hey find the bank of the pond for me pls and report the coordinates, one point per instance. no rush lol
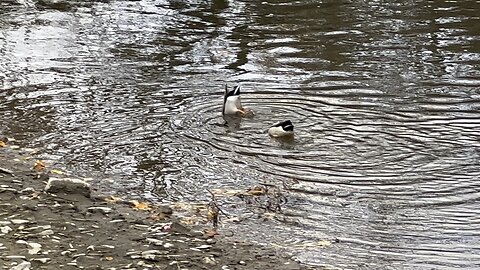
(39, 230)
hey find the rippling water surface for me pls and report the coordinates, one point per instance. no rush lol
(384, 96)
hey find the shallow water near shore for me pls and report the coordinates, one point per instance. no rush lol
(384, 97)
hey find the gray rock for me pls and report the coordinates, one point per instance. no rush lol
(68, 185)
(99, 209)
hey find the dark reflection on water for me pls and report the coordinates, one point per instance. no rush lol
(384, 96)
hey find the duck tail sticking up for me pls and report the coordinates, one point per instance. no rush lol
(231, 101)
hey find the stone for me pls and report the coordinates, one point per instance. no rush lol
(99, 209)
(68, 185)
(22, 266)
(5, 229)
(20, 221)
(204, 247)
(42, 260)
(34, 248)
(209, 260)
(46, 233)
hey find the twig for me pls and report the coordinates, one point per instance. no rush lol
(3, 170)
(216, 204)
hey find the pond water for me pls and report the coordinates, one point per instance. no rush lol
(384, 96)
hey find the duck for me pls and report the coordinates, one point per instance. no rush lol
(232, 104)
(281, 129)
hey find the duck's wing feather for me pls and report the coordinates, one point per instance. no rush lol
(283, 123)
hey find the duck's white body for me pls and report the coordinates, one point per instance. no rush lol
(232, 105)
(231, 101)
(281, 129)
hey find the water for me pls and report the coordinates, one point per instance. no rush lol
(384, 97)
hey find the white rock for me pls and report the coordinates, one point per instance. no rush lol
(45, 227)
(167, 245)
(209, 260)
(15, 257)
(154, 241)
(46, 232)
(5, 229)
(204, 247)
(68, 185)
(22, 266)
(20, 221)
(34, 248)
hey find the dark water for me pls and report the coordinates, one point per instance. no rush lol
(384, 96)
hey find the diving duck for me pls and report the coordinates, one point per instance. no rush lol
(232, 103)
(281, 129)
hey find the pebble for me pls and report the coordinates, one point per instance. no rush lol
(45, 227)
(204, 247)
(99, 209)
(154, 255)
(68, 185)
(167, 245)
(211, 241)
(15, 257)
(34, 248)
(22, 266)
(209, 260)
(19, 221)
(42, 260)
(27, 190)
(154, 241)
(46, 232)
(5, 229)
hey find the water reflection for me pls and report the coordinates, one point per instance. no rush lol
(232, 122)
(383, 95)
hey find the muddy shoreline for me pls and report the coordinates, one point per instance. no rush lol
(41, 230)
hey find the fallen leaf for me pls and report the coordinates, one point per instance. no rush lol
(39, 166)
(190, 220)
(141, 205)
(324, 243)
(211, 232)
(55, 171)
(257, 191)
(2, 144)
(158, 216)
(109, 258)
(225, 192)
(113, 199)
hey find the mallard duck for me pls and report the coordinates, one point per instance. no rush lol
(232, 103)
(281, 129)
